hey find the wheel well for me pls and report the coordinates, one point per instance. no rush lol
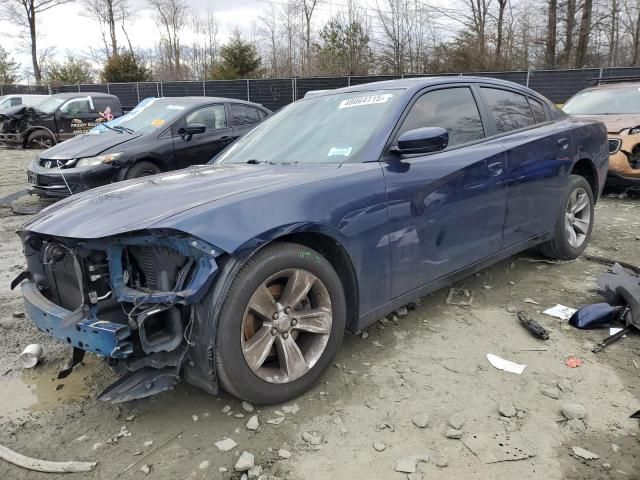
(337, 256)
(156, 162)
(30, 132)
(585, 169)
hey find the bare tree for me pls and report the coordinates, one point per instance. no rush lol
(24, 14)
(171, 18)
(108, 14)
(308, 6)
(552, 20)
(583, 34)
(502, 4)
(204, 49)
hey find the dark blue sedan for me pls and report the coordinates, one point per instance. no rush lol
(337, 210)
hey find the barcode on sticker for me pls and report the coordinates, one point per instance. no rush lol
(367, 100)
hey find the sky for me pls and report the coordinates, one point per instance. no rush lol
(68, 30)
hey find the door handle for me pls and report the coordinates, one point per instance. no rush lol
(495, 169)
(563, 143)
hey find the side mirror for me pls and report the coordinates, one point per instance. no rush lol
(195, 129)
(422, 140)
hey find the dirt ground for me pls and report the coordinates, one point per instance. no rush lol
(432, 361)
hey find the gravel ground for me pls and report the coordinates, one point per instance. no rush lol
(367, 416)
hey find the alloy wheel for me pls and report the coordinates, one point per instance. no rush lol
(41, 141)
(578, 217)
(286, 326)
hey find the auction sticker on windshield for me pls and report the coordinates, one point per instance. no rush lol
(367, 100)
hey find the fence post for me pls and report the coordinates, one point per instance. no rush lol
(78, 88)
(293, 89)
(348, 80)
(162, 89)
(528, 74)
(138, 90)
(600, 76)
(248, 96)
(204, 93)
(108, 89)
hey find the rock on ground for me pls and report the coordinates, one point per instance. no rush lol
(245, 462)
(507, 409)
(453, 433)
(379, 446)
(551, 392)
(408, 464)
(585, 454)
(253, 423)
(312, 438)
(456, 421)
(282, 453)
(421, 420)
(226, 444)
(247, 407)
(573, 410)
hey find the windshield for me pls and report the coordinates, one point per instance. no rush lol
(327, 128)
(604, 102)
(51, 104)
(149, 115)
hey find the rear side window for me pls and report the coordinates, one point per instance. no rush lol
(213, 117)
(539, 113)
(244, 115)
(16, 101)
(510, 110)
(451, 108)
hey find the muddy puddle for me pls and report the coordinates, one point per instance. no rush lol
(38, 389)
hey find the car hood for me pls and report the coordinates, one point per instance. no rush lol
(85, 145)
(140, 203)
(12, 111)
(616, 122)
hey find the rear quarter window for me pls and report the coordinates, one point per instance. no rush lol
(244, 114)
(510, 110)
(539, 112)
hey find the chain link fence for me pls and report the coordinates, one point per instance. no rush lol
(556, 85)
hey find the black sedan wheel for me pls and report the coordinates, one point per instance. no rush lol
(142, 169)
(281, 324)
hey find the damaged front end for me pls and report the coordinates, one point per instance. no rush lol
(133, 298)
(15, 122)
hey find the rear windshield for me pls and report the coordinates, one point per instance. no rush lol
(604, 102)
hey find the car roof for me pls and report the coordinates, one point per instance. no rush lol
(203, 100)
(82, 94)
(418, 83)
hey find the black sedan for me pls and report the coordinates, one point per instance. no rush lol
(159, 135)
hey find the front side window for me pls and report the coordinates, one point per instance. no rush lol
(333, 128)
(213, 117)
(16, 101)
(51, 104)
(77, 106)
(453, 109)
(510, 110)
(244, 115)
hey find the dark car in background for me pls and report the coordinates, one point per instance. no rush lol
(159, 135)
(57, 118)
(332, 213)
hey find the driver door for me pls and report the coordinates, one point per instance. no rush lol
(200, 148)
(446, 209)
(75, 117)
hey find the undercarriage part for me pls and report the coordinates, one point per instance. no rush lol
(76, 357)
(533, 326)
(140, 384)
(160, 329)
(620, 287)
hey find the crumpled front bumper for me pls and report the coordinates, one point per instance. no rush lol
(90, 334)
(50, 182)
(14, 139)
(621, 170)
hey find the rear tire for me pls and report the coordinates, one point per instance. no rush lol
(40, 139)
(574, 224)
(142, 169)
(245, 327)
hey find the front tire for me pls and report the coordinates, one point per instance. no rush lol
(40, 139)
(574, 224)
(142, 169)
(281, 324)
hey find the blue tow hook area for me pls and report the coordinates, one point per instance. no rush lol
(90, 334)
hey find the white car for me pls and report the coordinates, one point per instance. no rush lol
(19, 99)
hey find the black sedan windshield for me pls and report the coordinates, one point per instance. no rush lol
(604, 102)
(326, 128)
(149, 115)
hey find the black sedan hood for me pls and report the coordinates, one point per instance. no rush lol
(141, 203)
(88, 145)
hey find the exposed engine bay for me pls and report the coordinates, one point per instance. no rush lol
(129, 298)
